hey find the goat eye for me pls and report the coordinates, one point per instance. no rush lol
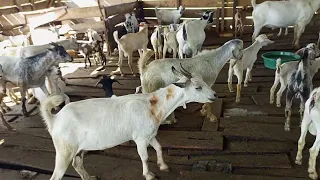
(199, 88)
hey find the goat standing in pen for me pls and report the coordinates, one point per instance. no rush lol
(207, 63)
(131, 42)
(299, 83)
(238, 18)
(111, 126)
(311, 123)
(281, 14)
(170, 42)
(249, 58)
(191, 35)
(31, 72)
(285, 70)
(169, 16)
(157, 42)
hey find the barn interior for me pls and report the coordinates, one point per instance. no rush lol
(247, 142)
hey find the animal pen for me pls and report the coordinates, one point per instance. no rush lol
(248, 141)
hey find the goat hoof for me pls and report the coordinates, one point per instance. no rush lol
(150, 176)
(213, 118)
(245, 85)
(271, 102)
(298, 162)
(134, 75)
(237, 100)
(94, 178)
(313, 175)
(278, 105)
(164, 168)
(286, 127)
(122, 75)
(231, 90)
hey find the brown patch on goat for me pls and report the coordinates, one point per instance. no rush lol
(169, 94)
(156, 114)
(154, 100)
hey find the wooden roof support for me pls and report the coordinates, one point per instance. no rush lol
(50, 3)
(17, 3)
(33, 7)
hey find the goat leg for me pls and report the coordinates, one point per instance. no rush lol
(4, 122)
(238, 93)
(207, 112)
(288, 118)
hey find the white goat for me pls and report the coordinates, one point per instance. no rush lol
(129, 43)
(169, 16)
(208, 64)
(37, 49)
(111, 126)
(281, 14)
(249, 57)
(170, 40)
(285, 70)
(311, 123)
(191, 35)
(55, 84)
(157, 42)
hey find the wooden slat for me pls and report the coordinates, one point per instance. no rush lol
(201, 3)
(161, 3)
(120, 9)
(189, 175)
(189, 13)
(77, 13)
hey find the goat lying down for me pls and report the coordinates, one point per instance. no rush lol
(311, 123)
(287, 69)
(207, 63)
(120, 122)
(299, 83)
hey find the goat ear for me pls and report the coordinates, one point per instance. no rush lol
(180, 84)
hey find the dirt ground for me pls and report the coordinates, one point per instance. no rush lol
(248, 142)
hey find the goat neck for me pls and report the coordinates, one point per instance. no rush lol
(254, 49)
(165, 100)
(219, 57)
(203, 23)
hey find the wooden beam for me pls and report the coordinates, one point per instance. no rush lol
(120, 8)
(32, 5)
(217, 20)
(17, 3)
(222, 15)
(235, 3)
(77, 13)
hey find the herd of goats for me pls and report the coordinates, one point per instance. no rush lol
(166, 83)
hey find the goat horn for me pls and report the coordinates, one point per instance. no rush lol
(185, 72)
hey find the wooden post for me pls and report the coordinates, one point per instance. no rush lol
(218, 21)
(178, 3)
(18, 5)
(107, 31)
(32, 5)
(235, 3)
(222, 15)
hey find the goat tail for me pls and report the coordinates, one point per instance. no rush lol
(142, 63)
(116, 37)
(278, 64)
(46, 107)
(253, 3)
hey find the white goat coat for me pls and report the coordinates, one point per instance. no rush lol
(291, 12)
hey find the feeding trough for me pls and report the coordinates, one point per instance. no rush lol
(270, 58)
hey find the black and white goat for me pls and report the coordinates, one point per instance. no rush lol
(191, 35)
(107, 82)
(299, 84)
